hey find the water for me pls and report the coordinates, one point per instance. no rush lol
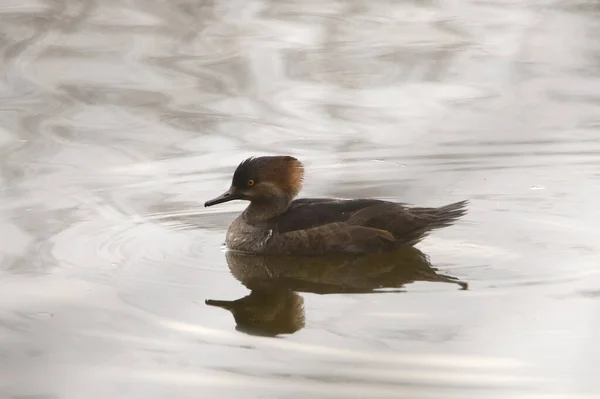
(119, 119)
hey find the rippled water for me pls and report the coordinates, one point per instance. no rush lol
(119, 119)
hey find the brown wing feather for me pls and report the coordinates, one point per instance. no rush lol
(407, 225)
(322, 226)
(332, 238)
(403, 224)
(306, 213)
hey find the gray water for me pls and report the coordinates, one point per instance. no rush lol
(118, 119)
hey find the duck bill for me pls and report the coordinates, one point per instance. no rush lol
(221, 304)
(227, 196)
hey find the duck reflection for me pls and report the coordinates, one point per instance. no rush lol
(274, 307)
(266, 311)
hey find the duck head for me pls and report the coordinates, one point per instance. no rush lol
(264, 181)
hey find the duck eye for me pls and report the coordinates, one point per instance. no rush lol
(250, 183)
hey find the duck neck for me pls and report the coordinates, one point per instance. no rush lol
(263, 210)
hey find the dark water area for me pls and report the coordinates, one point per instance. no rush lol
(118, 119)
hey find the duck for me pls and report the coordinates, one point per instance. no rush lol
(277, 223)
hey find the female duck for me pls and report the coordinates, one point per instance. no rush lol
(275, 223)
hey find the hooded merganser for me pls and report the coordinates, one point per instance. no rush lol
(275, 223)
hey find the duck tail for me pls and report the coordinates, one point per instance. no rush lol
(446, 215)
(443, 216)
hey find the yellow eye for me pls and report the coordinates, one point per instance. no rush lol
(250, 183)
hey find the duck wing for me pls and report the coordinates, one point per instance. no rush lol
(332, 238)
(323, 225)
(407, 225)
(306, 213)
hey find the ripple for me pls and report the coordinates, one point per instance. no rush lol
(456, 361)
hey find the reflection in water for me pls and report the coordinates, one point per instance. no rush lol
(273, 307)
(266, 311)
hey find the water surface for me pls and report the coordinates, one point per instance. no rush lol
(119, 119)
